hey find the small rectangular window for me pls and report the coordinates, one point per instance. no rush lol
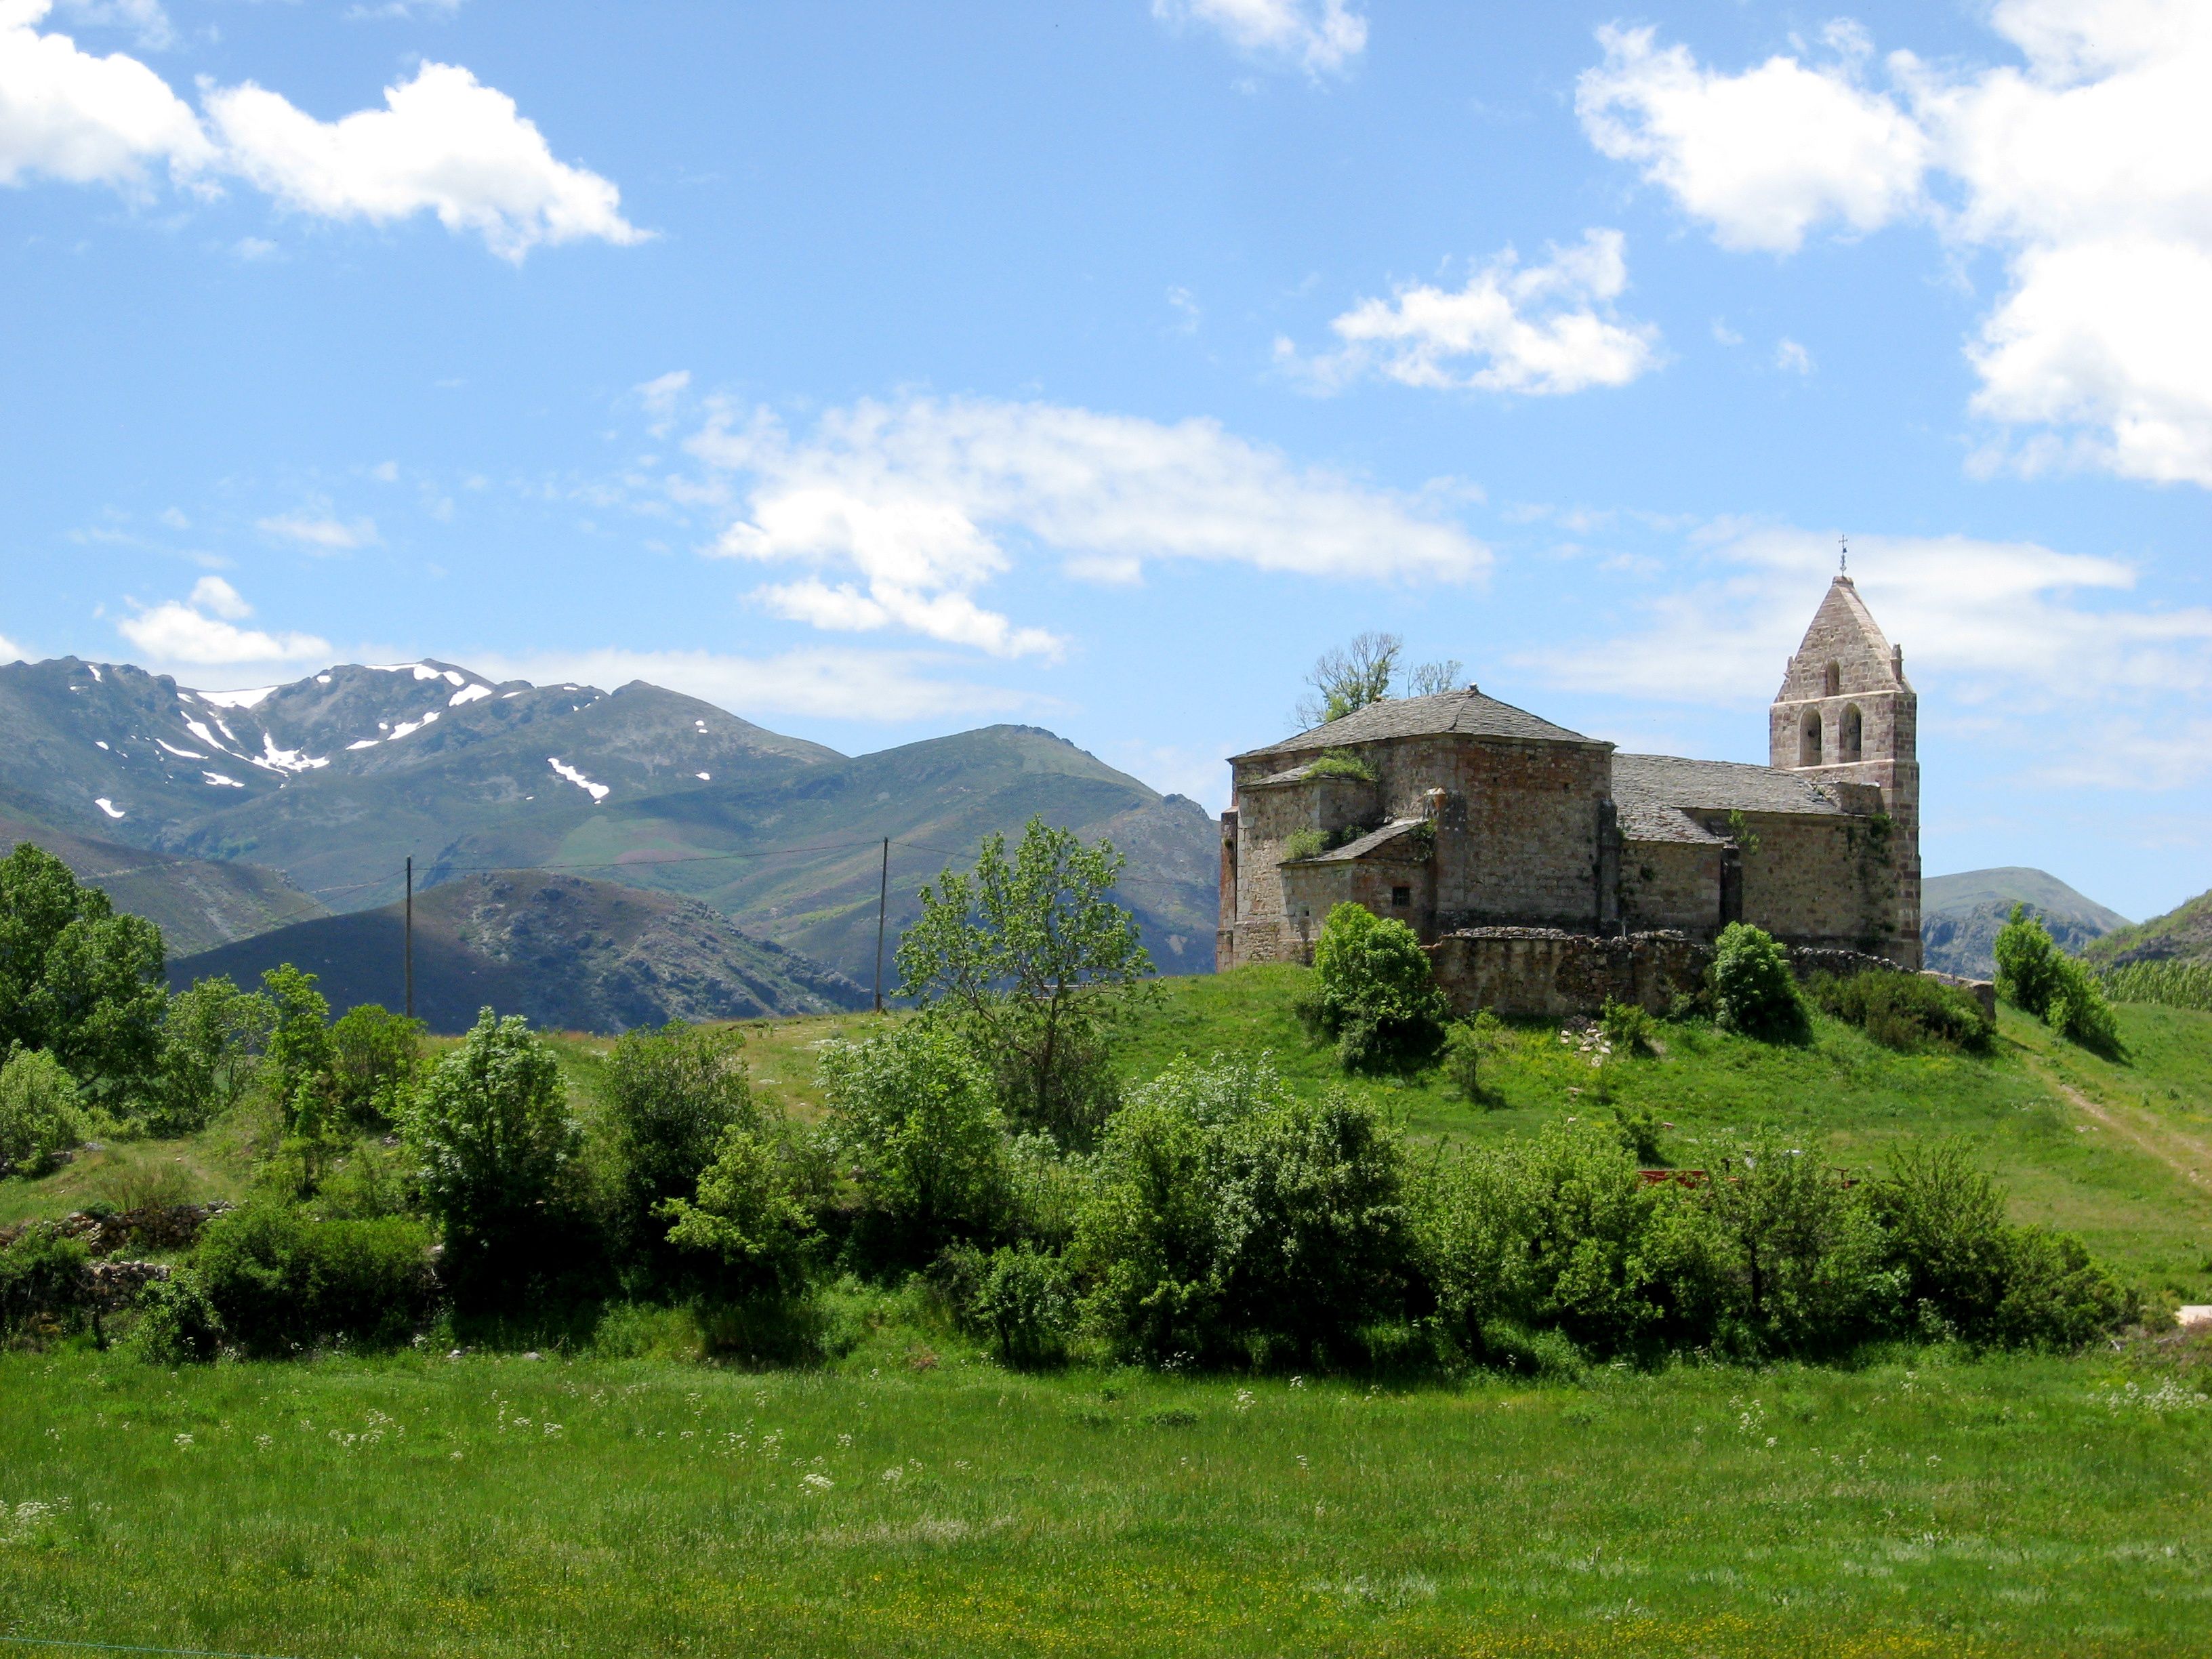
(1401, 898)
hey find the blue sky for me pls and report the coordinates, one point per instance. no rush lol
(880, 370)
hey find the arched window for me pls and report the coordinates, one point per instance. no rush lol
(1833, 683)
(1808, 740)
(1847, 740)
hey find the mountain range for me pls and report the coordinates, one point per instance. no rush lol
(568, 954)
(327, 784)
(2182, 934)
(1960, 914)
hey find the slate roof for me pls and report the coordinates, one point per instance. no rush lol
(1466, 711)
(1650, 791)
(1374, 844)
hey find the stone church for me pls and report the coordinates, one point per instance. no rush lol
(1512, 845)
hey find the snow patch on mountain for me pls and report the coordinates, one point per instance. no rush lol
(468, 694)
(596, 791)
(108, 807)
(236, 699)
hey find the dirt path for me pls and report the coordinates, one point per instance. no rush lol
(2186, 1155)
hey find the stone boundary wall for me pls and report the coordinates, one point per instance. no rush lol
(1542, 973)
(158, 1226)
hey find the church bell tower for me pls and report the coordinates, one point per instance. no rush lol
(1847, 714)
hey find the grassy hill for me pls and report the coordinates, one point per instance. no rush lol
(2181, 935)
(1960, 914)
(565, 952)
(197, 903)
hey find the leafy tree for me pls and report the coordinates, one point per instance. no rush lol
(1374, 992)
(39, 896)
(278, 1279)
(2039, 978)
(1753, 991)
(213, 1039)
(492, 1136)
(375, 1060)
(670, 1096)
(101, 1002)
(912, 1120)
(1345, 680)
(1035, 965)
(38, 1114)
(78, 980)
(300, 1052)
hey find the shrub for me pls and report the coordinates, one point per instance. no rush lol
(913, 1121)
(1627, 1026)
(1752, 991)
(177, 1323)
(40, 1118)
(375, 1060)
(279, 1281)
(1462, 1062)
(1374, 992)
(42, 1277)
(1909, 1013)
(1551, 1234)
(1233, 1219)
(1637, 1129)
(491, 1135)
(2027, 962)
(1020, 1297)
(1966, 1272)
(1303, 844)
(1799, 1253)
(748, 1217)
(669, 1097)
(1340, 763)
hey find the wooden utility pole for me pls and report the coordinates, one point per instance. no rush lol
(883, 905)
(411, 936)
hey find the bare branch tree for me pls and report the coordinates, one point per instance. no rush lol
(1348, 679)
(1431, 677)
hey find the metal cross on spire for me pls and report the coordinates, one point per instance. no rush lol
(1843, 559)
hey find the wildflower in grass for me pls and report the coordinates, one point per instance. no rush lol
(1244, 1400)
(816, 1482)
(553, 1431)
(183, 1442)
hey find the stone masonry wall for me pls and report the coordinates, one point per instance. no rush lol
(1539, 973)
(1670, 884)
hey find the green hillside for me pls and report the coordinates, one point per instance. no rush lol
(2181, 935)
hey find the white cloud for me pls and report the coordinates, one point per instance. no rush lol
(1760, 157)
(906, 510)
(214, 594)
(1792, 358)
(69, 115)
(175, 635)
(1545, 329)
(2043, 644)
(320, 533)
(888, 687)
(11, 651)
(2088, 167)
(1320, 36)
(444, 143)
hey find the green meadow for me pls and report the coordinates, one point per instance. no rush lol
(910, 1495)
